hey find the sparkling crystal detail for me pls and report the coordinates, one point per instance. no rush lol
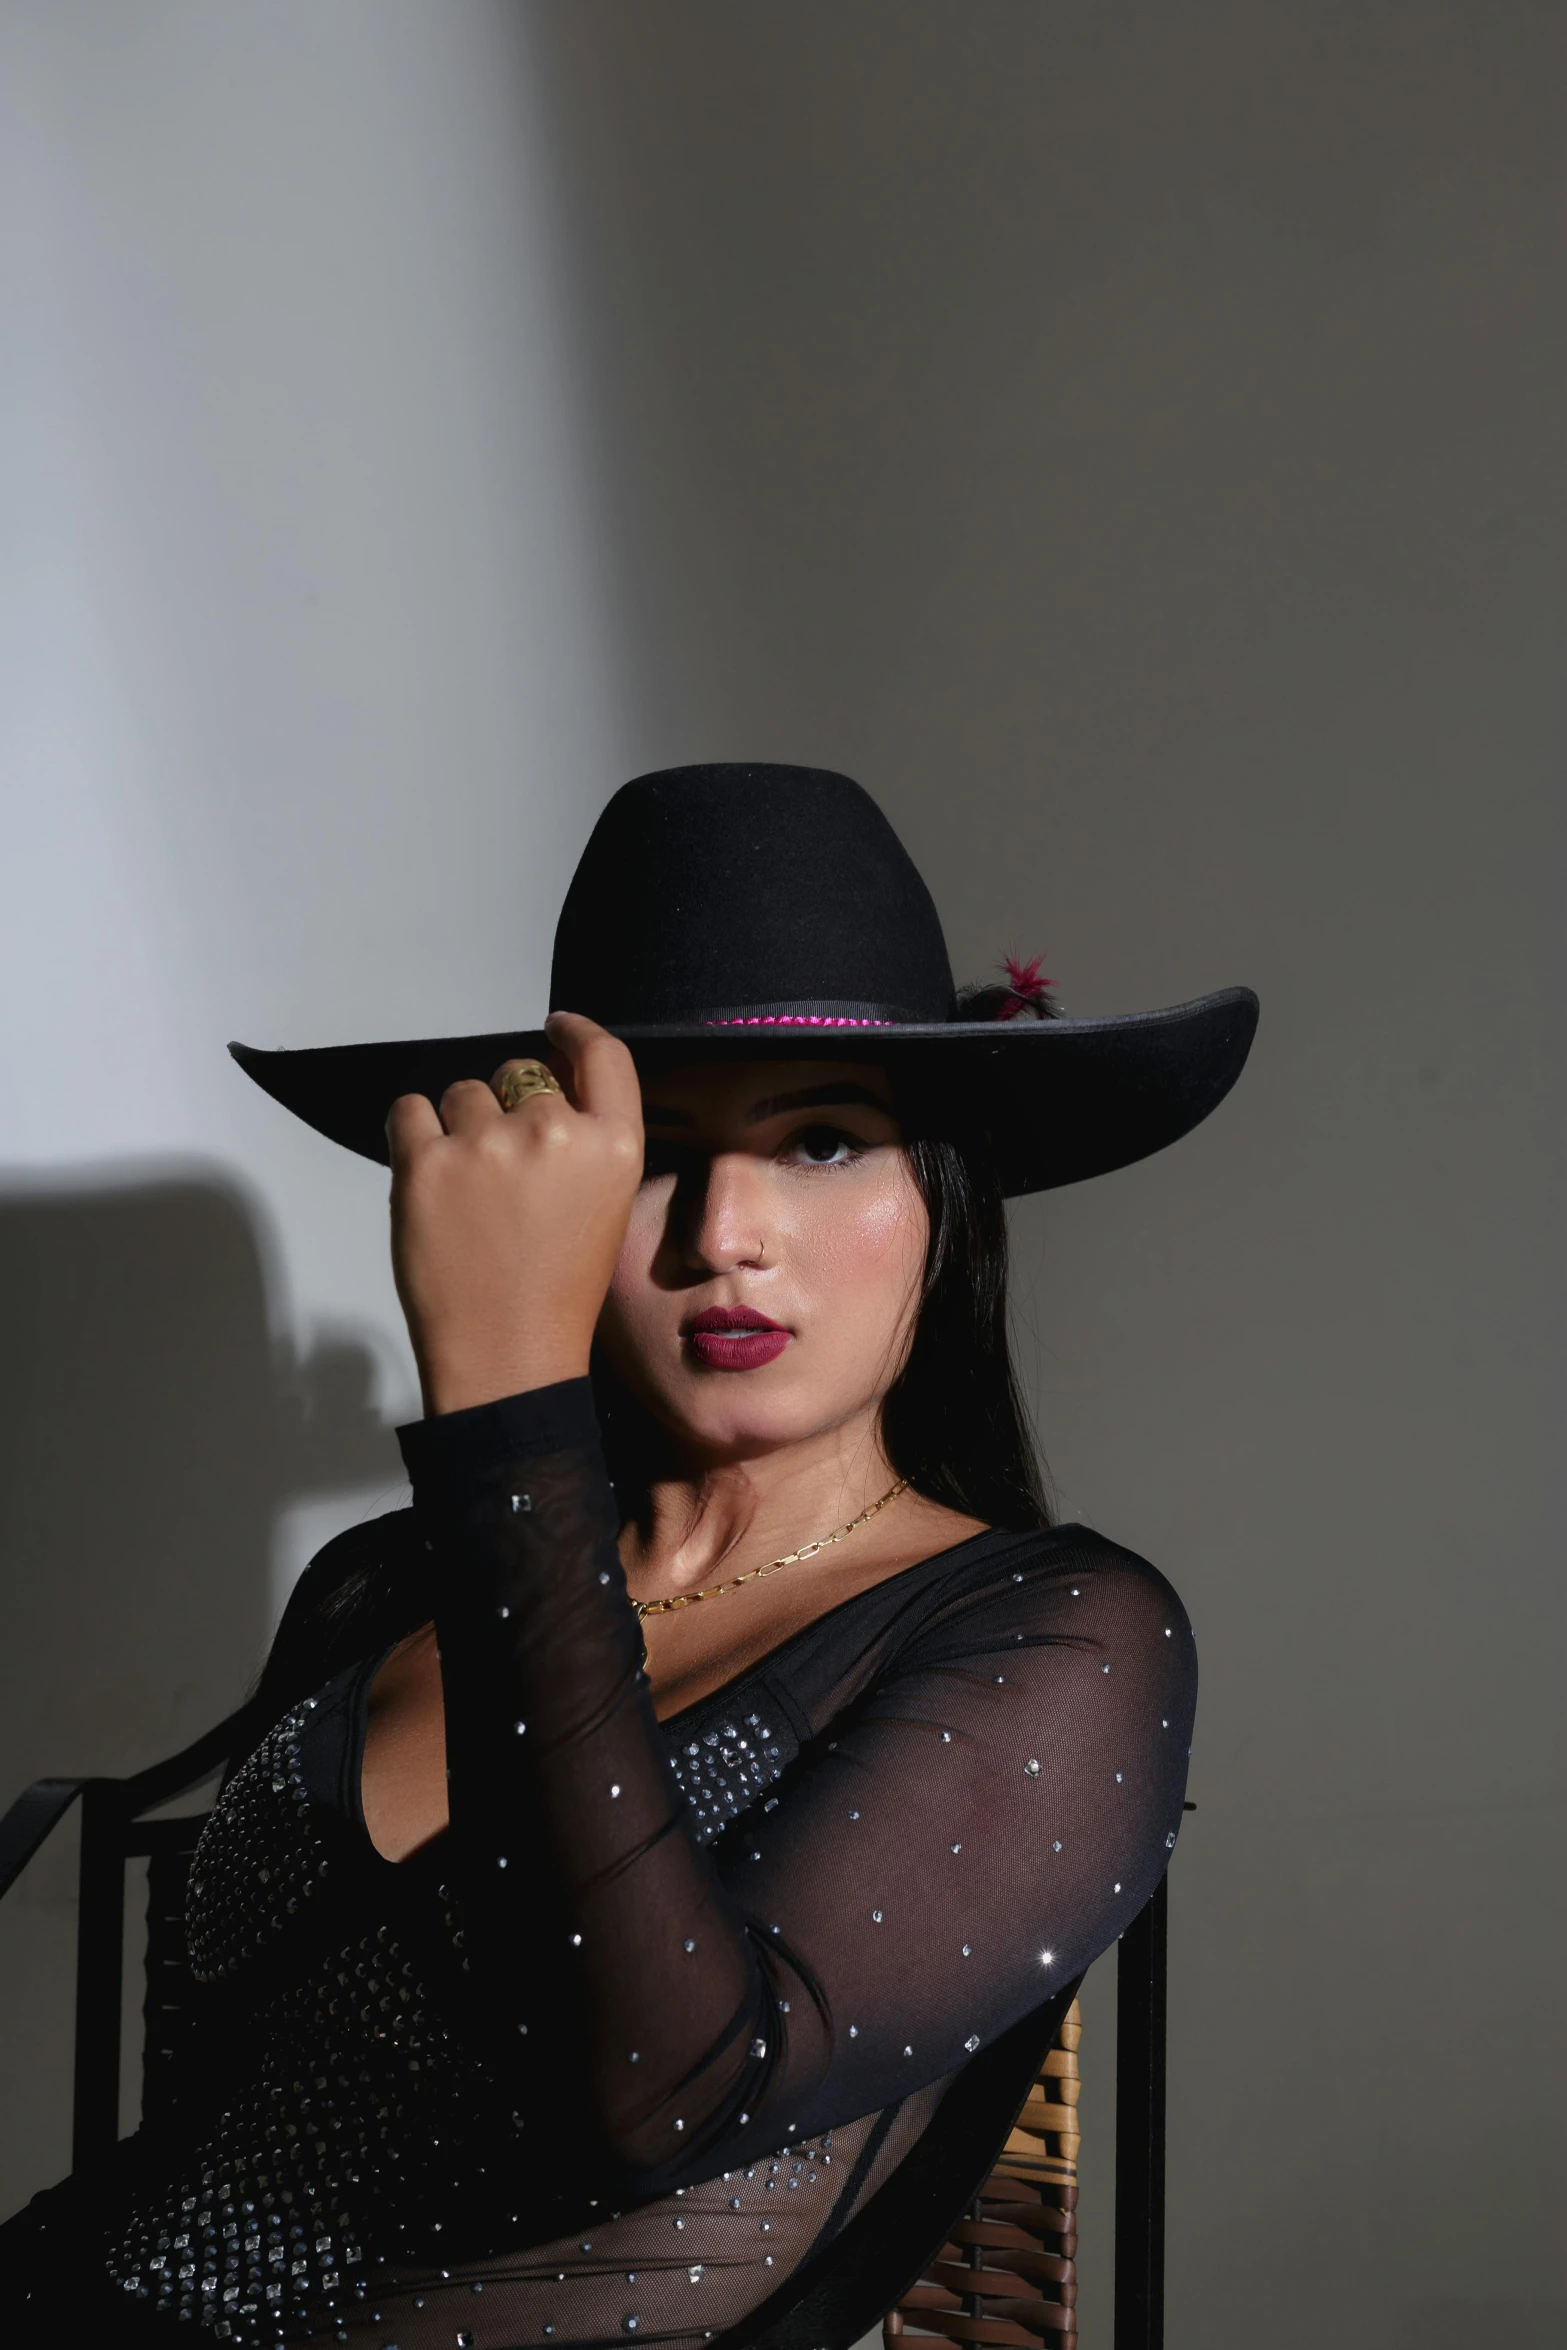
(359, 2056)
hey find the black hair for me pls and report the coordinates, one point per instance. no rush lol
(953, 1421)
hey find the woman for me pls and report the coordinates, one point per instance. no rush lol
(579, 1969)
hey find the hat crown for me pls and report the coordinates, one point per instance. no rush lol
(728, 908)
(710, 892)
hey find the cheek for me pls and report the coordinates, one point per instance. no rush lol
(863, 1249)
(634, 1296)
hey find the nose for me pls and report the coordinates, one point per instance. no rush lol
(726, 1224)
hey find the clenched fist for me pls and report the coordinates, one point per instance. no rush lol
(506, 1224)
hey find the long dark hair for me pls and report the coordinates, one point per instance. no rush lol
(954, 1422)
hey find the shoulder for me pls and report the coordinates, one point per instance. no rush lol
(364, 1579)
(1109, 1567)
(377, 1556)
(1063, 1582)
(1065, 1588)
(381, 1545)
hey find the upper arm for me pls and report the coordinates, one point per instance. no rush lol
(991, 1817)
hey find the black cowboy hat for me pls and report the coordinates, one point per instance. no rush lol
(749, 913)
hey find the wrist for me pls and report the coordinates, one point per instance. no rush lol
(461, 1384)
(454, 1456)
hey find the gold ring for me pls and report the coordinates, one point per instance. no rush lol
(522, 1081)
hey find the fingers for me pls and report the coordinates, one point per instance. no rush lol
(412, 1119)
(469, 1106)
(600, 1078)
(604, 1076)
(466, 1108)
(535, 1079)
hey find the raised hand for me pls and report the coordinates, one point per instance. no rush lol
(506, 1224)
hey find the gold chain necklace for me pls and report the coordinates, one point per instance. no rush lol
(664, 1607)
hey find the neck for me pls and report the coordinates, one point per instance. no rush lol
(708, 1520)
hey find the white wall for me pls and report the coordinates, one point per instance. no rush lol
(1128, 439)
(307, 704)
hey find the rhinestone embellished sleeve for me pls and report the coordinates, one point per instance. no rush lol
(985, 1818)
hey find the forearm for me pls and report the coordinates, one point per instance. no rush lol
(569, 1833)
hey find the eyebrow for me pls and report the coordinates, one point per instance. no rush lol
(810, 1097)
(814, 1097)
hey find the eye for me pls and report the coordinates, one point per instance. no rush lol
(823, 1146)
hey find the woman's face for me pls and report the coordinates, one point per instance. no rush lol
(771, 1271)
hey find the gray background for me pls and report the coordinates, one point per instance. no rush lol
(1126, 438)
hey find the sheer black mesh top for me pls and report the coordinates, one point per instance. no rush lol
(629, 2049)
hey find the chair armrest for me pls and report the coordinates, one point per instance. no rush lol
(31, 1818)
(235, 1734)
(35, 1814)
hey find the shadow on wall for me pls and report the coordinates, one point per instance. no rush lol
(154, 1422)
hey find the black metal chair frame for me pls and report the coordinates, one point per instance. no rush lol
(114, 1831)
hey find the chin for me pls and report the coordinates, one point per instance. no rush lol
(734, 1415)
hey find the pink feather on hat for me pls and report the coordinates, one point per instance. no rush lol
(1027, 987)
(1024, 994)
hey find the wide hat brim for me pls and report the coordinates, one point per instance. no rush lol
(1057, 1100)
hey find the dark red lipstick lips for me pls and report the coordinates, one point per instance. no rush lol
(735, 1338)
